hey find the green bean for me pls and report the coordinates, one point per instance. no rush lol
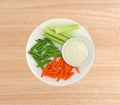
(43, 63)
(36, 59)
(48, 46)
(51, 54)
(49, 41)
(55, 48)
(32, 54)
(39, 40)
(54, 54)
(34, 46)
(54, 51)
(45, 58)
(35, 54)
(43, 50)
(44, 54)
(40, 47)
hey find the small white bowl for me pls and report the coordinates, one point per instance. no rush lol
(86, 42)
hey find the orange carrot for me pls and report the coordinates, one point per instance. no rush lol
(52, 73)
(45, 70)
(53, 76)
(68, 67)
(59, 62)
(60, 75)
(53, 62)
(77, 69)
(59, 69)
(67, 77)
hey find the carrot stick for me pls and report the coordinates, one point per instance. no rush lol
(52, 76)
(60, 75)
(70, 68)
(77, 69)
(53, 62)
(45, 70)
(67, 77)
(59, 62)
(66, 70)
(52, 73)
(59, 69)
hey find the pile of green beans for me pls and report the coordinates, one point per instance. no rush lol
(43, 50)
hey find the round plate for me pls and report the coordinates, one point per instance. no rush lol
(38, 33)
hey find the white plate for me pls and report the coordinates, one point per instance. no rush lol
(37, 33)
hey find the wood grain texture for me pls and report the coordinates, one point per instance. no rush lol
(18, 86)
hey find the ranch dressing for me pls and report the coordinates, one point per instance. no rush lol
(76, 51)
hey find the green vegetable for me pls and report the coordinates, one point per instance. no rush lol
(67, 34)
(52, 27)
(35, 46)
(45, 58)
(63, 28)
(46, 48)
(42, 41)
(49, 41)
(52, 51)
(53, 38)
(43, 63)
(59, 33)
(55, 54)
(42, 51)
(52, 33)
(40, 47)
(35, 54)
(36, 60)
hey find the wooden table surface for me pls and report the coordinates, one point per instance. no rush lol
(18, 86)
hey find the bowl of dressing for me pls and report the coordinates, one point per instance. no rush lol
(76, 51)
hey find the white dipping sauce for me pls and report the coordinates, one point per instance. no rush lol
(76, 52)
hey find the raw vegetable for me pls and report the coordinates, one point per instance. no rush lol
(43, 50)
(77, 69)
(53, 38)
(63, 28)
(67, 34)
(58, 69)
(52, 33)
(59, 33)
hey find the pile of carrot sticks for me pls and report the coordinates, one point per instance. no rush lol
(59, 69)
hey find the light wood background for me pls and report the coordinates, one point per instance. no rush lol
(18, 86)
